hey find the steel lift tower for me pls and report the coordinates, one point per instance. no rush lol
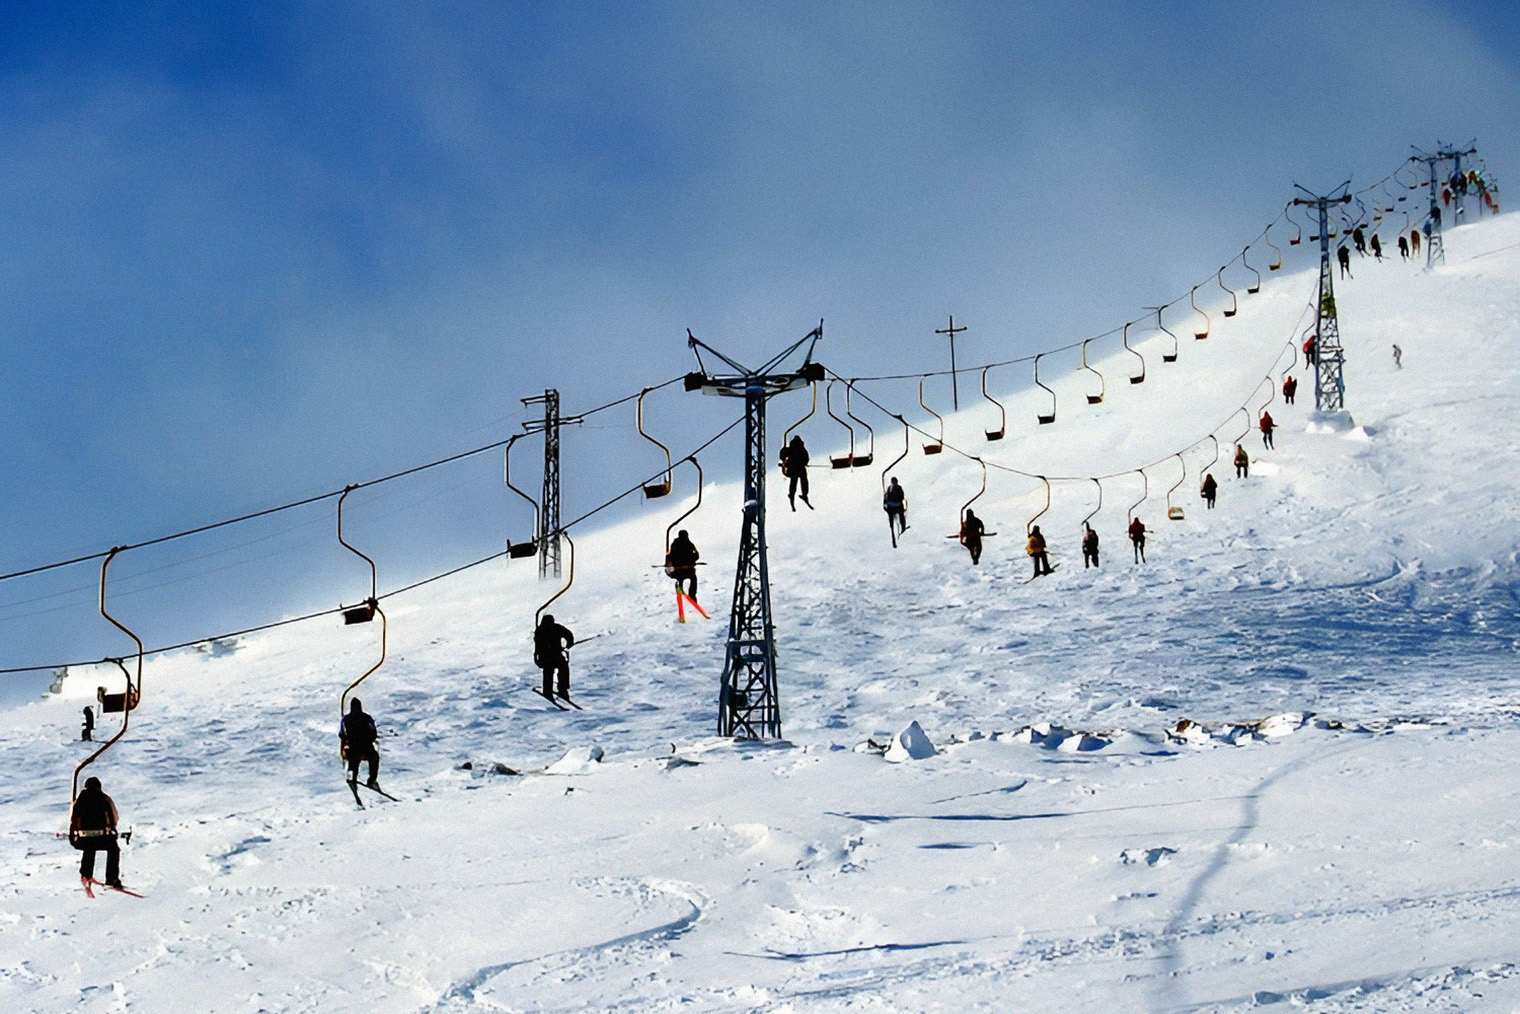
(1435, 250)
(548, 517)
(1329, 358)
(748, 704)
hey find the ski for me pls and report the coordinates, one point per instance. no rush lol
(376, 788)
(552, 700)
(1052, 570)
(89, 883)
(353, 787)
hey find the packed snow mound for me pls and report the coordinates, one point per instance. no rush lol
(910, 744)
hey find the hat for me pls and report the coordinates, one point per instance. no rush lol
(92, 782)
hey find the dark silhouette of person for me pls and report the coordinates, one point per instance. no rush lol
(551, 645)
(1403, 247)
(92, 828)
(1089, 546)
(1137, 532)
(1266, 425)
(1359, 238)
(1209, 490)
(794, 463)
(972, 531)
(1038, 552)
(1414, 242)
(681, 563)
(1398, 362)
(357, 737)
(1343, 255)
(86, 732)
(895, 502)
(1311, 351)
(1242, 462)
(1377, 247)
(1289, 389)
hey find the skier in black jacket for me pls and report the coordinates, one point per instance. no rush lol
(551, 645)
(92, 828)
(794, 463)
(681, 563)
(357, 737)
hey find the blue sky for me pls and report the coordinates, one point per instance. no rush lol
(257, 251)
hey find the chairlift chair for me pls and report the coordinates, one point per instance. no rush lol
(1255, 286)
(967, 505)
(1143, 496)
(848, 458)
(1029, 525)
(1193, 298)
(1087, 521)
(938, 446)
(907, 442)
(1174, 511)
(1094, 399)
(860, 460)
(366, 611)
(1276, 264)
(1215, 460)
(569, 579)
(1002, 429)
(786, 436)
(1044, 419)
(1166, 357)
(130, 696)
(657, 489)
(519, 550)
(693, 509)
(1140, 379)
(1298, 235)
(1234, 306)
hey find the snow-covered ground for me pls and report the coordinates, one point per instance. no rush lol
(1109, 824)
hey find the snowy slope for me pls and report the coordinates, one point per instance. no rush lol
(1359, 859)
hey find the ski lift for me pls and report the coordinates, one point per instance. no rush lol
(907, 442)
(1215, 459)
(1174, 511)
(1255, 286)
(1086, 522)
(1044, 419)
(939, 446)
(967, 505)
(1029, 526)
(365, 611)
(1293, 362)
(1192, 298)
(1271, 395)
(1134, 379)
(657, 489)
(1277, 259)
(1247, 429)
(123, 702)
(1143, 496)
(860, 460)
(569, 579)
(1166, 357)
(519, 550)
(1094, 399)
(1002, 429)
(848, 459)
(1234, 306)
(676, 523)
(1298, 235)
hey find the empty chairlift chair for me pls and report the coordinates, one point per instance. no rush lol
(1002, 428)
(1234, 306)
(519, 550)
(1138, 378)
(1174, 511)
(658, 488)
(1276, 264)
(1193, 298)
(848, 458)
(1255, 286)
(1166, 357)
(1042, 417)
(1093, 399)
(939, 445)
(859, 460)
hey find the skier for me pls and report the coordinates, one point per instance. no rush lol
(972, 531)
(92, 828)
(1310, 351)
(681, 563)
(895, 502)
(86, 731)
(1377, 247)
(551, 645)
(356, 738)
(1089, 546)
(1209, 490)
(1343, 255)
(1266, 425)
(794, 463)
(1414, 242)
(1360, 239)
(1038, 553)
(1403, 247)
(1137, 531)
(1398, 362)
(1290, 388)
(1242, 462)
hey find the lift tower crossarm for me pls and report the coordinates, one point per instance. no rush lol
(1329, 357)
(748, 702)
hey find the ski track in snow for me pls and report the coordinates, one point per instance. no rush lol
(1356, 854)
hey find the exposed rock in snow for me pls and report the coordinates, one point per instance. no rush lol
(910, 744)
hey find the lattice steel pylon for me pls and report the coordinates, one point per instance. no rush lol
(1435, 249)
(548, 516)
(749, 705)
(1329, 357)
